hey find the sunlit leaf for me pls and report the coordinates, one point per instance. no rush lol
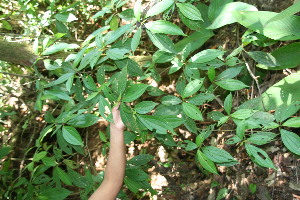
(71, 135)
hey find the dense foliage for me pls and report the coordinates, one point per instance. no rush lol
(129, 57)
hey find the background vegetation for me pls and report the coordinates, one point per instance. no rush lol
(209, 93)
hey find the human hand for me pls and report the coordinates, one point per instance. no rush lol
(118, 123)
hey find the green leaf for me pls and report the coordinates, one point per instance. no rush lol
(233, 140)
(242, 113)
(196, 25)
(222, 193)
(78, 57)
(228, 103)
(71, 135)
(121, 82)
(283, 112)
(41, 179)
(165, 27)
(127, 15)
(69, 83)
(89, 83)
(201, 98)
(4, 151)
(206, 163)
(211, 73)
(136, 39)
(6, 25)
(291, 141)
(259, 156)
(136, 174)
(100, 75)
(49, 161)
(78, 180)
(205, 133)
(170, 100)
(284, 29)
(56, 94)
(95, 34)
(195, 41)
(215, 115)
(240, 129)
(63, 176)
(192, 111)
(287, 12)
(137, 10)
(144, 107)
(116, 53)
(173, 110)
(54, 194)
(133, 67)
(190, 124)
(261, 138)
(90, 58)
(112, 36)
(192, 73)
(59, 47)
(105, 109)
(133, 186)
(285, 92)
(287, 56)
(229, 73)
(114, 23)
(134, 92)
(65, 17)
(129, 137)
(141, 159)
(166, 140)
(83, 120)
(162, 42)
(293, 122)
(154, 122)
(159, 7)
(231, 84)
(252, 188)
(176, 65)
(172, 121)
(217, 155)
(102, 12)
(162, 57)
(192, 87)
(39, 156)
(263, 58)
(190, 145)
(206, 55)
(189, 11)
(225, 16)
(222, 120)
(60, 80)
(129, 119)
(215, 7)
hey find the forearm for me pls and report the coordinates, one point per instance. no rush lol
(115, 169)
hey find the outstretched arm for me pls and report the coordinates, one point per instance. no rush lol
(115, 168)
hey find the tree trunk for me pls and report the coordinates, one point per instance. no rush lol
(17, 53)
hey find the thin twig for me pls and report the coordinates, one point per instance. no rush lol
(252, 75)
(255, 79)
